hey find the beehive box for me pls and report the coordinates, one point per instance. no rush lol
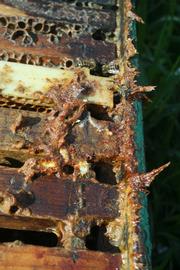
(71, 151)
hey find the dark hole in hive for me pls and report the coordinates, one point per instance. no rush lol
(53, 29)
(79, 4)
(3, 21)
(97, 240)
(12, 60)
(38, 27)
(41, 109)
(99, 35)
(116, 98)
(46, 28)
(30, 21)
(37, 175)
(56, 114)
(29, 237)
(24, 59)
(77, 27)
(31, 62)
(14, 162)
(97, 71)
(24, 199)
(69, 63)
(112, 35)
(40, 61)
(3, 56)
(29, 121)
(11, 26)
(21, 24)
(68, 169)
(33, 36)
(70, 138)
(52, 38)
(87, 4)
(48, 111)
(109, 7)
(104, 172)
(18, 34)
(13, 209)
(98, 112)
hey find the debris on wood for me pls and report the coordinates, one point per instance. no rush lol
(67, 121)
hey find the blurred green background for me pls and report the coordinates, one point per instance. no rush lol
(159, 58)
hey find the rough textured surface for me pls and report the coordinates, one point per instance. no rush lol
(19, 130)
(63, 34)
(85, 156)
(55, 258)
(50, 197)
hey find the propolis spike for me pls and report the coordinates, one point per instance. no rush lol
(140, 182)
(149, 177)
(141, 89)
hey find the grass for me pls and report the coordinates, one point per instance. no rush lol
(158, 45)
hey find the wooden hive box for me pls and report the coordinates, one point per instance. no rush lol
(71, 151)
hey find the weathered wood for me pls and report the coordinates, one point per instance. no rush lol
(67, 34)
(85, 48)
(41, 258)
(26, 35)
(27, 223)
(20, 131)
(16, 144)
(61, 34)
(67, 12)
(31, 84)
(50, 197)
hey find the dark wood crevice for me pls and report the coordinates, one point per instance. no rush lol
(28, 237)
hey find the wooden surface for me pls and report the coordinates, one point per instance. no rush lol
(26, 223)
(41, 258)
(21, 131)
(55, 198)
(83, 32)
(68, 12)
(15, 144)
(69, 48)
(80, 41)
(75, 34)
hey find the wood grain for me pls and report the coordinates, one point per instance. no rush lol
(15, 144)
(41, 258)
(83, 48)
(22, 131)
(52, 198)
(67, 12)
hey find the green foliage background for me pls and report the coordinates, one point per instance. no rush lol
(158, 47)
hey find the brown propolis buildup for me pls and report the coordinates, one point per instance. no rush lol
(68, 113)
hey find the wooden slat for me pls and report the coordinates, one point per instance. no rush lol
(20, 129)
(98, 2)
(27, 223)
(85, 35)
(51, 197)
(84, 48)
(27, 84)
(41, 258)
(67, 12)
(15, 144)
